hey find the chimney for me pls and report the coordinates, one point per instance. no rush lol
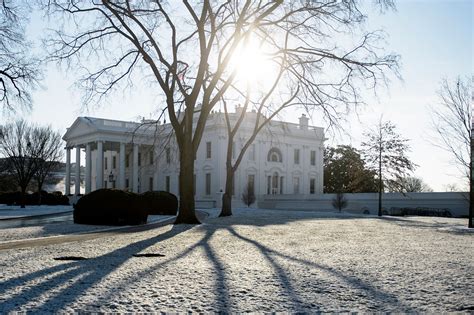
(303, 122)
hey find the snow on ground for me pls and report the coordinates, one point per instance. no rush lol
(256, 260)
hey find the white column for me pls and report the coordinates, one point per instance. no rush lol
(77, 186)
(100, 165)
(88, 168)
(135, 168)
(121, 177)
(156, 155)
(68, 172)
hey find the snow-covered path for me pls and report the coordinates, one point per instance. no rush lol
(257, 260)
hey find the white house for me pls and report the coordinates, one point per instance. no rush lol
(285, 158)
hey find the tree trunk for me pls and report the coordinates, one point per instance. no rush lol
(40, 185)
(23, 197)
(471, 187)
(226, 210)
(227, 197)
(380, 181)
(186, 214)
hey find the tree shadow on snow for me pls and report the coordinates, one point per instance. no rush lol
(70, 280)
(67, 282)
(439, 226)
(226, 299)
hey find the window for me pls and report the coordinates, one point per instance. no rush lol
(167, 183)
(113, 184)
(151, 157)
(296, 185)
(105, 163)
(275, 184)
(150, 184)
(312, 186)
(168, 156)
(208, 184)
(313, 158)
(105, 184)
(127, 160)
(208, 150)
(252, 152)
(114, 162)
(274, 155)
(281, 185)
(297, 156)
(127, 183)
(251, 183)
(269, 184)
(139, 159)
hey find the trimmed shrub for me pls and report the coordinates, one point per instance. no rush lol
(110, 207)
(50, 199)
(160, 202)
(10, 198)
(423, 211)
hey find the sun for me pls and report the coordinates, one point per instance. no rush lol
(253, 64)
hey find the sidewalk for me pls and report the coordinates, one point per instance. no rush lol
(10, 212)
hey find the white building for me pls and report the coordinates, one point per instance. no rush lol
(285, 158)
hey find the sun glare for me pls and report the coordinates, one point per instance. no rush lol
(253, 65)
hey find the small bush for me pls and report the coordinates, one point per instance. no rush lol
(248, 196)
(339, 202)
(110, 207)
(421, 211)
(50, 199)
(160, 202)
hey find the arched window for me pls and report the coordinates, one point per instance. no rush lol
(274, 155)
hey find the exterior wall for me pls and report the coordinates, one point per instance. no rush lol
(456, 202)
(285, 137)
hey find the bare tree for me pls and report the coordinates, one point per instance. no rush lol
(452, 119)
(248, 196)
(452, 122)
(17, 147)
(50, 152)
(385, 151)
(300, 65)
(187, 48)
(19, 71)
(409, 184)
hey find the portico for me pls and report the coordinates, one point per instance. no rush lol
(105, 143)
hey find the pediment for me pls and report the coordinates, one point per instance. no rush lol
(81, 126)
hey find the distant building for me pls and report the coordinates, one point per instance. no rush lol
(285, 158)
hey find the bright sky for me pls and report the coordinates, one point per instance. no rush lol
(434, 38)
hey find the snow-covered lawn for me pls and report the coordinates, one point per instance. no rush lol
(257, 260)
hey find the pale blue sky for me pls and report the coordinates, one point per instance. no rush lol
(433, 37)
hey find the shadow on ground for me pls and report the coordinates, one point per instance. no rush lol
(67, 282)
